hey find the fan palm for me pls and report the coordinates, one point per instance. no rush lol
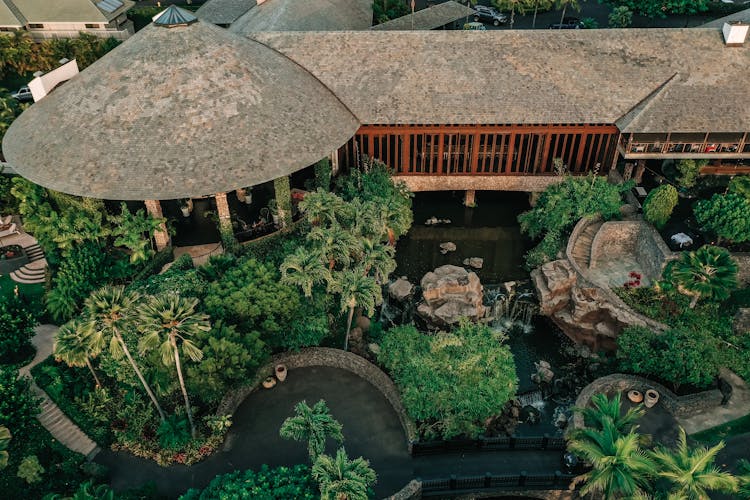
(304, 268)
(314, 425)
(692, 471)
(610, 408)
(620, 467)
(110, 310)
(4, 442)
(356, 289)
(707, 272)
(77, 343)
(167, 324)
(343, 479)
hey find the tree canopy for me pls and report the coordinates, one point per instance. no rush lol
(727, 216)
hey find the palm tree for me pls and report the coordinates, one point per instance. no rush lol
(605, 408)
(304, 268)
(342, 479)
(335, 243)
(77, 343)
(356, 290)
(707, 272)
(167, 323)
(314, 425)
(129, 229)
(565, 4)
(110, 310)
(323, 207)
(377, 259)
(539, 4)
(4, 442)
(692, 471)
(513, 6)
(744, 478)
(619, 466)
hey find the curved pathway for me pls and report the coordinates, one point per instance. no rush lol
(51, 417)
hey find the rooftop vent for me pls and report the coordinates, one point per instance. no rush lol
(174, 16)
(735, 33)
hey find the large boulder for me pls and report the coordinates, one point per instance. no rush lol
(400, 289)
(450, 293)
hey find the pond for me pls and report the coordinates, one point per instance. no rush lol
(489, 231)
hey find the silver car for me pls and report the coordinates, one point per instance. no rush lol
(22, 95)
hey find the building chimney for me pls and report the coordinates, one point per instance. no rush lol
(735, 33)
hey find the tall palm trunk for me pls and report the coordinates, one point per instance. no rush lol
(150, 393)
(348, 326)
(91, 369)
(173, 341)
(536, 9)
(565, 7)
(694, 300)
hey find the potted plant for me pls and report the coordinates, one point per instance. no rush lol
(281, 372)
(186, 206)
(245, 195)
(273, 207)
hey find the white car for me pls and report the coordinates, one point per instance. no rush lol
(23, 94)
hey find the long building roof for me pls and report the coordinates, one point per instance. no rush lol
(532, 77)
(429, 18)
(10, 16)
(178, 112)
(307, 15)
(224, 11)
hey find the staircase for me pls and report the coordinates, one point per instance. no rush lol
(582, 247)
(62, 428)
(35, 270)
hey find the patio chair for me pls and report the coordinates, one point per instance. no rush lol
(11, 230)
(6, 220)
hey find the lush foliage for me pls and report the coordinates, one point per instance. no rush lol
(17, 322)
(450, 382)
(314, 425)
(342, 479)
(740, 185)
(689, 170)
(5, 438)
(676, 356)
(561, 205)
(659, 204)
(385, 10)
(30, 470)
(18, 406)
(709, 273)
(174, 433)
(726, 216)
(264, 484)
(660, 8)
(10, 108)
(620, 17)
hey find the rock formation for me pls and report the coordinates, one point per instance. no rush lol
(475, 262)
(583, 312)
(446, 247)
(450, 293)
(400, 289)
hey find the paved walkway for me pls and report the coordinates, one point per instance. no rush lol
(51, 417)
(738, 406)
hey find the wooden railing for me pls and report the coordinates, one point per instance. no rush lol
(455, 484)
(545, 442)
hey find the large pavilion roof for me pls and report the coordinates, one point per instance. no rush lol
(532, 77)
(308, 15)
(178, 112)
(224, 11)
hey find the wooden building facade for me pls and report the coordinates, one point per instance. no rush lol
(484, 149)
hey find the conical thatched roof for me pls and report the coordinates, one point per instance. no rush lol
(178, 112)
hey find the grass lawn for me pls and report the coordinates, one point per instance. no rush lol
(31, 292)
(725, 431)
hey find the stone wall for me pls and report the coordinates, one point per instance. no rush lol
(679, 406)
(526, 183)
(412, 491)
(335, 358)
(614, 239)
(743, 266)
(651, 251)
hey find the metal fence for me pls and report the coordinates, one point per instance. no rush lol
(488, 444)
(556, 480)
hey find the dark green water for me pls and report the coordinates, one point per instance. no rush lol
(489, 231)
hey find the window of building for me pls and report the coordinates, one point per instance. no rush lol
(92, 26)
(36, 26)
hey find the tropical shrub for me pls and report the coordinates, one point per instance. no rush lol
(176, 281)
(314, 425)
(342, 479)
(675, 356)
(173, 433)
(385, 10)
(450, 382)
(740, 185)
(657, 8)
(264, 484)
(323, 174)
(659, 204)
(30, 470)
(620, 17)
(18, 406)
(561, 205)
(726, 216)
(689, 170)
(708, 273)
(17, 322)
(5, 438)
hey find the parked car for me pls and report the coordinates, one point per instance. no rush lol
(23, 94)
(568, 23)
(489, 15)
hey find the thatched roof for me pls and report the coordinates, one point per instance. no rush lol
(308, 15)
(532, 77)
(224, 11)
(178, 112)
(429, 18)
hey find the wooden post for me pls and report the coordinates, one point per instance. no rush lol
(161, 235)
(334, 163)
(470, 198)
(628, 172)
(640, 168)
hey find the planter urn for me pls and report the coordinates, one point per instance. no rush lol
(652, 397)
(269, 382)
(635, 396)
(281, 372)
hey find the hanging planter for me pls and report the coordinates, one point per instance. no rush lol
(652, 397)
(269, 382)
(281, 372)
